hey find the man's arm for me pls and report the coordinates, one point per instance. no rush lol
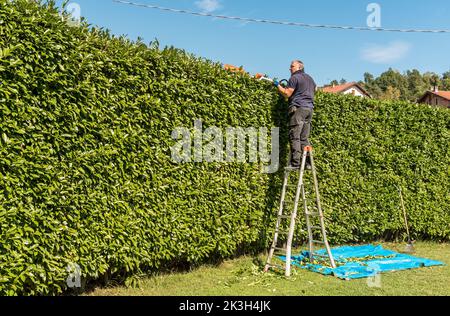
(288, 92)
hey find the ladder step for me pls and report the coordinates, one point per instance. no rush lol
(316, 227)
(318, 242)
(313, 214)
(279, 249)
(282, 232)
(284, 216)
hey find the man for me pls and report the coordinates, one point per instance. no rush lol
(300, 91)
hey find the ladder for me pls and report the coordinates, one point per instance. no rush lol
(310, 216)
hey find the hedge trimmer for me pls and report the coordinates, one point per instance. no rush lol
(283, 82)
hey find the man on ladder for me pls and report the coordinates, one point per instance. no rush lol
(300, 91)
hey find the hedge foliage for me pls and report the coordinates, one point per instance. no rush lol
(86, 174)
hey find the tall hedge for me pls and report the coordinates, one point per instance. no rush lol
(86, 174)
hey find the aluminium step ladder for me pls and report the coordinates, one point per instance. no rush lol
(310, 216)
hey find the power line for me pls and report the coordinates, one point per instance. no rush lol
(357, 28)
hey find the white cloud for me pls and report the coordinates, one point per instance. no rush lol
(208, 6)
(385, 54)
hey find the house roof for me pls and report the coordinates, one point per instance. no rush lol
(233, 68)
(339, 88)
(442, 94)
(344, 87)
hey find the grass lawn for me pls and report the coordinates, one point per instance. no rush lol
(243, 277)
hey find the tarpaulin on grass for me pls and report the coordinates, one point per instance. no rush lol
(361, 262)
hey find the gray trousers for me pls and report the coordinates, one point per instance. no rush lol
(300, 121)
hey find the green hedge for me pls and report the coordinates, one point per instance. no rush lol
(367, 149)
(86, 174)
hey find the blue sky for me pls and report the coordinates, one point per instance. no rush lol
(269, 49)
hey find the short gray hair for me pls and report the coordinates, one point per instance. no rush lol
(302, 65)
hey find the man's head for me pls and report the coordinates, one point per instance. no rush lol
(297, 65)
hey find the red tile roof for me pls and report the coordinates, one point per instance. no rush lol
(233, 68)
(344, 87)
(339, 88)
(443, 94)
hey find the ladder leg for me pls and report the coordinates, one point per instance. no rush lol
(308, 226)
(319, 207)
(294, 217)
(277, 228)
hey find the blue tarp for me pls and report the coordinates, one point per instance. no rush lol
(365, 266)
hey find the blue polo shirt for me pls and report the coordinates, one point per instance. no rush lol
(304, 90)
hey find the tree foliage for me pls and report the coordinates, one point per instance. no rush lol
(409, 86)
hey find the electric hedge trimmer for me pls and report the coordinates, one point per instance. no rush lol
(283, 82)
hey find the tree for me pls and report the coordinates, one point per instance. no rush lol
(417, 86)
(369, 78)
(391, 93)
(446, 75)
(435, 80)
(371, 86)
(394, 79)
(334, 83)
(445, 84)
(408, 86)
(431, 78)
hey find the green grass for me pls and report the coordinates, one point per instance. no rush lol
(243, 277)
